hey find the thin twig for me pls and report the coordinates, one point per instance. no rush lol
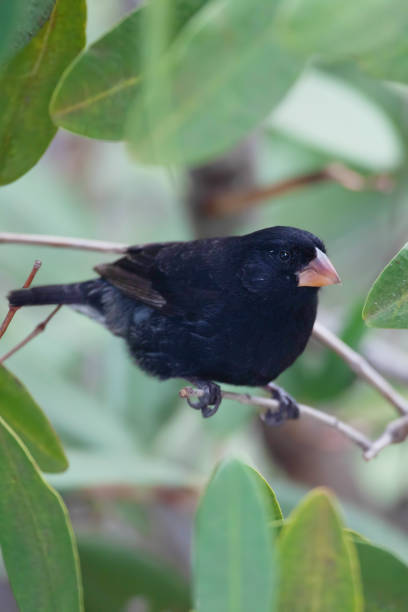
(306, 411)
(394, 433)
(63, 243)
(40, 328)
(13, 309)
(232, 203)
(361, 367)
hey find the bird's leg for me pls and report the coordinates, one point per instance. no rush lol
(288, 407)
(209, 401)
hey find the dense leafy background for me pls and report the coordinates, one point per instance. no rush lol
(138, 456)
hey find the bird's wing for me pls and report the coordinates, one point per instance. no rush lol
(134, 275)
(173, 277)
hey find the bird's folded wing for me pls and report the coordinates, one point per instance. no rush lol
(166, 276)
(131, 284)
(134, 275)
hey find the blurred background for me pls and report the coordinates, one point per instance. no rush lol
(139, 456)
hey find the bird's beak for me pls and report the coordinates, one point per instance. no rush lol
(319, 272)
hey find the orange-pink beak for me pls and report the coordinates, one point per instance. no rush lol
(319, 272)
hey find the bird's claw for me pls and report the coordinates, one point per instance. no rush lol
(288, 407)
(209, 401)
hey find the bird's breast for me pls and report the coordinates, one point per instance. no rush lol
(259, 344)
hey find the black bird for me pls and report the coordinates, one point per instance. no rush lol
(234, 310)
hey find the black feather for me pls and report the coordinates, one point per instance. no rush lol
(223, 309)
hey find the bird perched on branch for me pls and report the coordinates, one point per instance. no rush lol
(236, 309)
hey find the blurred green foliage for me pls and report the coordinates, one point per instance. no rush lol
(203, 75)
(114, 573)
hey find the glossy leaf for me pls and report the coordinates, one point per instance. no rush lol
(27, 83)
(385, 579)
(20, 20)
(35, 534)
(97, 90)
(387, 302)
(234, 563)
(114, 573)
(26, 418)
(344, 29)
(318, 563)
(222, 76)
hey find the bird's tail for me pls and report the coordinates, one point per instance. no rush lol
(76, 293)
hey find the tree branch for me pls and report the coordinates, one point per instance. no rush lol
(361, 367)
(232, 203)
(62, 242)
(395, 432)
(265, 403)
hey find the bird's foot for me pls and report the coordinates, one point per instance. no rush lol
(210, 399)
(288, 407)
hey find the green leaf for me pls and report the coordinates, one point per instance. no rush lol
(96, 92)
(35, 534)
(27, 83)
(8, 21)
(113, 574)
(363, 523)
(318, 562)
(222, 76)
(323, 101)
(387, 301)
(20, 20)
(356, 536)
(385, 579)
(343, 29)
(26, 418)
(234, 561)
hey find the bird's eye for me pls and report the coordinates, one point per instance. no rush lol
(284, 255)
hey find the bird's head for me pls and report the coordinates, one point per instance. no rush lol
(283, 258)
